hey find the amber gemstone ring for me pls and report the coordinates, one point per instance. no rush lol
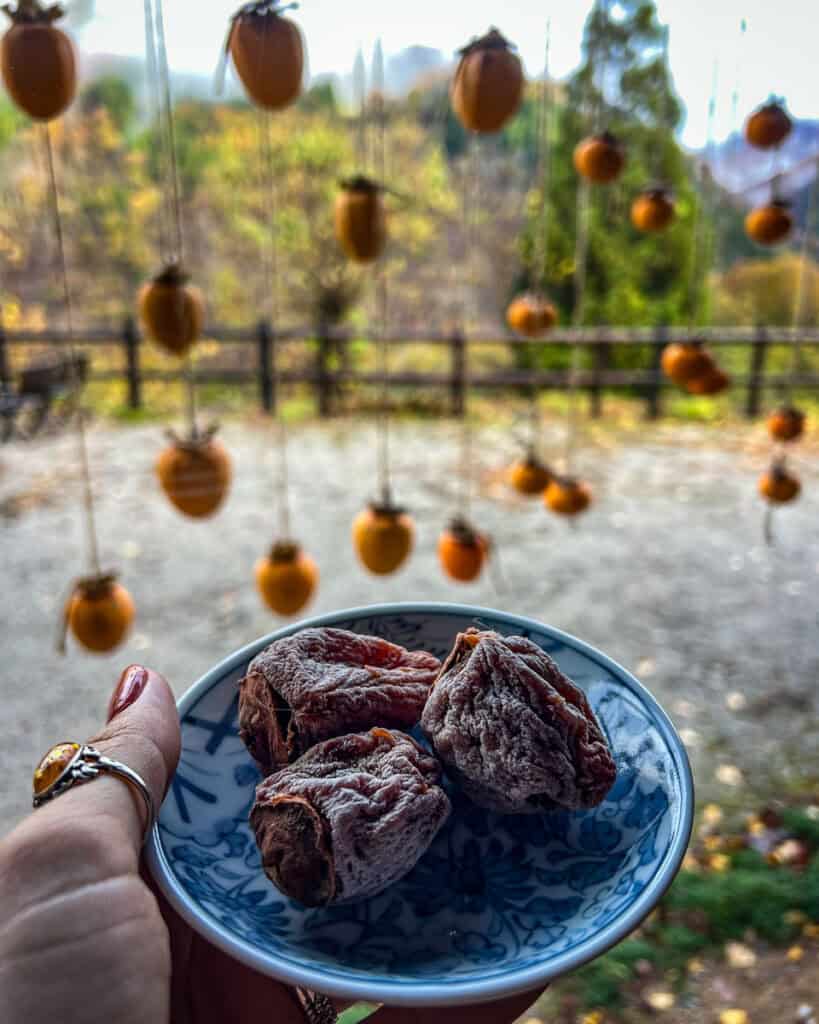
(70, 764)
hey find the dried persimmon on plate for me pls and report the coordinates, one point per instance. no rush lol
(498, 903)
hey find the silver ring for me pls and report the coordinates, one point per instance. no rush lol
(72, 764)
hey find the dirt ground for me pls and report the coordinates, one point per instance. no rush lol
(667, 573)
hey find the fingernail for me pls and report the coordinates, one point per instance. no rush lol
(130, 686)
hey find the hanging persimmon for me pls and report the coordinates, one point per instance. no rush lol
(173, 310)
(786, 423)
(383, 536)
(37, 60)
(683, 361)
(462, 551)
(268, 54)
(713, 382)
(531, 315)
(99, 612)
(771, 223)
(778, 485)
(567, 496)
(488, 84)
(768, 126)
(529, 475)
(653, 209)
(195, 473)
(286, 578)
(599, 158)
(360, 219)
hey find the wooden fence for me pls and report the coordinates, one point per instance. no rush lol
(327, 380)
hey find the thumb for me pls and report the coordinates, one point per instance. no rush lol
(142, 733)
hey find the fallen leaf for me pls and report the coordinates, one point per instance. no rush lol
(690, 863)
(713, 842)
(811, 931)
(795, 954)
(712, 814)
(595, 1017)
(719, 862)
(729, 775)
(794, 917)
(695, 966)
(660, 1000)
(739, 955)
(733, 1017)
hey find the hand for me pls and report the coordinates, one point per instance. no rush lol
(84, 938)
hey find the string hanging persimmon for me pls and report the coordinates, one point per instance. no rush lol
(39, 70)
(194, 470)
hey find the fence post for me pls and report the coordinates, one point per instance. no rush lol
(266, 357)
(324, 384)
(457, 384)
(655, 383)
(596, 384)
(5, 375)
(130, 338)
(756, 375)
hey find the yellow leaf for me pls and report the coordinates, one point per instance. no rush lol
(739, 955)
(712, 814)
(811, 931)
(795, 954)
(713, 842)
(733, 1017)
(695, 966)
(729, 775)
(719, 862)
(595, 1017)
(794, 917)
(660, 1000)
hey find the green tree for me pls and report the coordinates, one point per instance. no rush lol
(114, 95)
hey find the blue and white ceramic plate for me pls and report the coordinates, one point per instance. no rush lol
(498, 905)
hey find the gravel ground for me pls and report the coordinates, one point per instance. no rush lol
(667, 573)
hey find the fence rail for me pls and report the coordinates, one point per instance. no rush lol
(327, 380)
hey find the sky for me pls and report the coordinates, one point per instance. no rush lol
(776, 54)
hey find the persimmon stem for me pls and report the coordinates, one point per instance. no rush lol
(74, 376)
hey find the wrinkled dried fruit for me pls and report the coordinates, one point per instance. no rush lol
(518, 735)
(349, 818)
(321, 683)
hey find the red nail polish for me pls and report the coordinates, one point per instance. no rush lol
(130, 686)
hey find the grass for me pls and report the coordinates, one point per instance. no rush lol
(703, 910)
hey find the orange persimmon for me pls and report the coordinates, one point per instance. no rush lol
(528, 475)
(360, 219)
(778, 485)
(786, 423)
(488, 84)
(531, 315)
(268, 54)
(195, 473)
(462, 551)
(653, 209)
(567, 496)
(769, 224)
(599, 158)
(99, 613)
(286, 578)
(683, 361)
(383, 536)
(768, 126)
(37, 60)
(173, 311)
